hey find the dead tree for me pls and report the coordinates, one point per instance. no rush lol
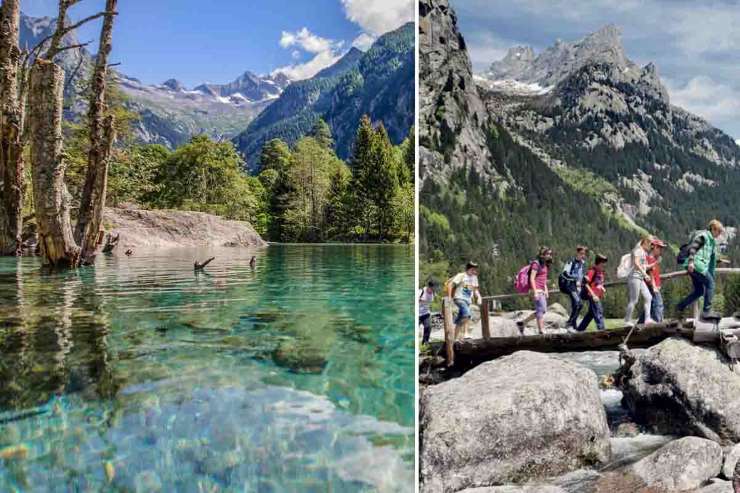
(102, 135)
(198, 266)
(51, 199)
(11, 124)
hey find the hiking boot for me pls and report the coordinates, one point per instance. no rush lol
(710, 315)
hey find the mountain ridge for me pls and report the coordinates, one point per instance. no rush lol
(379, 82)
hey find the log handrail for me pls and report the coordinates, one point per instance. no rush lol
(619, 282)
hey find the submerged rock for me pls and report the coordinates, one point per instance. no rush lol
(520, 418)
(681, 465)
(680, 388)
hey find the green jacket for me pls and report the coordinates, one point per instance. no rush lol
(703, 250)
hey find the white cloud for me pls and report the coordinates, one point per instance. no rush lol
(325, 52)
(306, 40)
(377, 17)
(713, 101)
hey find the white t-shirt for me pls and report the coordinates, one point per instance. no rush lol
(465, 286)
(425, 299)
(641, 257)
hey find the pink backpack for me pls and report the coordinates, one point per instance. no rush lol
(521, 281)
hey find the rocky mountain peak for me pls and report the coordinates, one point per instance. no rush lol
(561, 59)
(173, 84)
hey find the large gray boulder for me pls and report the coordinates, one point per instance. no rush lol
(681, 465)
(517, 419)
(683, 389)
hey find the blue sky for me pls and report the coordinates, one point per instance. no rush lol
(695, 45)
(158, 39)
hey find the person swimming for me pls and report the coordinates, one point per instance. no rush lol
(253, 262)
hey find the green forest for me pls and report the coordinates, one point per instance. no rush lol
(468, 218)
(303, 193)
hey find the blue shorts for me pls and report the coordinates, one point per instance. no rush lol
(463, 312)
(540, 306)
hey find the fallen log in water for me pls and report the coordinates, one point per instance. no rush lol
(471, 352)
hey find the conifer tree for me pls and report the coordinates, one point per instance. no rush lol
(322, 133)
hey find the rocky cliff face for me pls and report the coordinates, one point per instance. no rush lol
(586, 106)
(451, 113)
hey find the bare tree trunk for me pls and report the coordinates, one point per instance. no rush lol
(89, 222)
(11, 121)
(50, 194)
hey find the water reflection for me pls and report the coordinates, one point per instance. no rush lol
(142, 374)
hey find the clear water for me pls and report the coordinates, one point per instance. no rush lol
(139, 375)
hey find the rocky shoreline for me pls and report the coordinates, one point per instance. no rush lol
(161, 229)
(539, 422)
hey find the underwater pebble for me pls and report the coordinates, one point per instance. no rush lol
(110, 471)
(14, 452)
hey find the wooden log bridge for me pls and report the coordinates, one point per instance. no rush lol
(470, 352)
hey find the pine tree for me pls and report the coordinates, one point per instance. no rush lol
(322, 133)
(362, 170)
(382, 181)
(275, 155)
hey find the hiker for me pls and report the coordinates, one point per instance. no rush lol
(461, 288)
(426, 295)
(700, 262)
(594, 291)
(653, 258)
(538, 272)
(638, 278)
(570, 280)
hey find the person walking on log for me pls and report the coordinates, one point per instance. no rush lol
(570, 281)
(538, 273)
(461, 289)
(700, 263)
(637, 280)
(594, 291)
(426, 295)
(656, 306)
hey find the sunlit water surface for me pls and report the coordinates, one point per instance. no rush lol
(139, 375)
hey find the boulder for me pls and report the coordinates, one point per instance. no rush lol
(732, 454)
(679, 388)
(520, 418)
(681, 465)
(171, 229)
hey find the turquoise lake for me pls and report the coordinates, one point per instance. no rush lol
(141, 375)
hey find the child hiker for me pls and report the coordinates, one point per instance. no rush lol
(461, 289)
(594, 291)
(426, 296)
(656, 306)
(538, 272)
(638, 278)
(570, 280)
